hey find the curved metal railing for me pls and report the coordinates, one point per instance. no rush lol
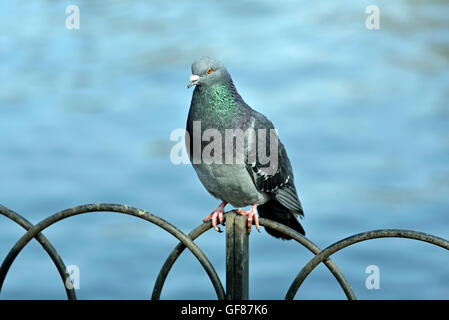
(187, 241)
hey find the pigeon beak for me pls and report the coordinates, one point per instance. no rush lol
(193, 80)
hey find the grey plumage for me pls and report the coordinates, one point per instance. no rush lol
(217, 105)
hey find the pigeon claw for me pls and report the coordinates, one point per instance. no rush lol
(252, 215)
(216, 214)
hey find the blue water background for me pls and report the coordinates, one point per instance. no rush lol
(86, 116)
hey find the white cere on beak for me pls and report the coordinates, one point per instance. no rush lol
(194, 77)
(193, 80)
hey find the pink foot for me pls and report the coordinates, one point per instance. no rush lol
(217, 213)
(252, 214)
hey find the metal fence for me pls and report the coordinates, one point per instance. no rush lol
(237, 272)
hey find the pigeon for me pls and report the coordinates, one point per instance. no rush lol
(233, 172)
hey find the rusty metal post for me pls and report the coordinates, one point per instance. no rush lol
(237, 271)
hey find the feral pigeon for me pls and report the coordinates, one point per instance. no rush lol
(228, 142)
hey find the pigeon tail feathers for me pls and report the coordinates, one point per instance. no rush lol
(275, 211)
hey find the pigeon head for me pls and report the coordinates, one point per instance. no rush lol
(207, 71)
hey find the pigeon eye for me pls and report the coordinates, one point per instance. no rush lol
(209, 71)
